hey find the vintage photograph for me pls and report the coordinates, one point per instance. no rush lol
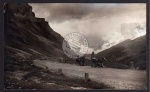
(75, 46)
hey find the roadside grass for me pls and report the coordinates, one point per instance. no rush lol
(48, 80)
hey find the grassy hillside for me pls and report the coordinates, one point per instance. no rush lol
(126, 52)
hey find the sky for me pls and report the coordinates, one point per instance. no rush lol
(103, 24)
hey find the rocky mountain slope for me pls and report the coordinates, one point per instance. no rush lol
(127, 52)
(27, 35)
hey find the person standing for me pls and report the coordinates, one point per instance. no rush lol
(93, 59)
(92, 55)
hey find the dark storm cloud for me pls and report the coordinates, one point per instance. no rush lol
(62, 12)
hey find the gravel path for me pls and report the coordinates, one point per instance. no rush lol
(118, 78)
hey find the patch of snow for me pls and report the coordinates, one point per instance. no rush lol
(51, 83)
(35, 51)
(78, 88)
(35, 79)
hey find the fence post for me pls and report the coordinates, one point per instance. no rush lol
(131, 65)
(46, 68)
(86, 77)
(60, 71)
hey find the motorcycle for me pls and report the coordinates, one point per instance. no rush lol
(97, 63)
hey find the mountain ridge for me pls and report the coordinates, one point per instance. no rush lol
(126, 52)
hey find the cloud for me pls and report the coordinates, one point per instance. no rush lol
(103, 24)
(63, 11)
(133, 30)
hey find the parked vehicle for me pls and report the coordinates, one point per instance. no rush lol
(94, 62)
(80, 61)
(97, 62)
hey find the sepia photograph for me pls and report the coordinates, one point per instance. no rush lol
(75, 46)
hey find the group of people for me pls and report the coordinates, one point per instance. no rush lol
(80, 61)
(94, 61)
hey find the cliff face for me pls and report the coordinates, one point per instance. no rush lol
(26, 33)
(127, 52)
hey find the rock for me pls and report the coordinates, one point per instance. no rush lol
(24, 32)
(28, 37)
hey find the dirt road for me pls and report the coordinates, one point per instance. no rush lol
(118, 78)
